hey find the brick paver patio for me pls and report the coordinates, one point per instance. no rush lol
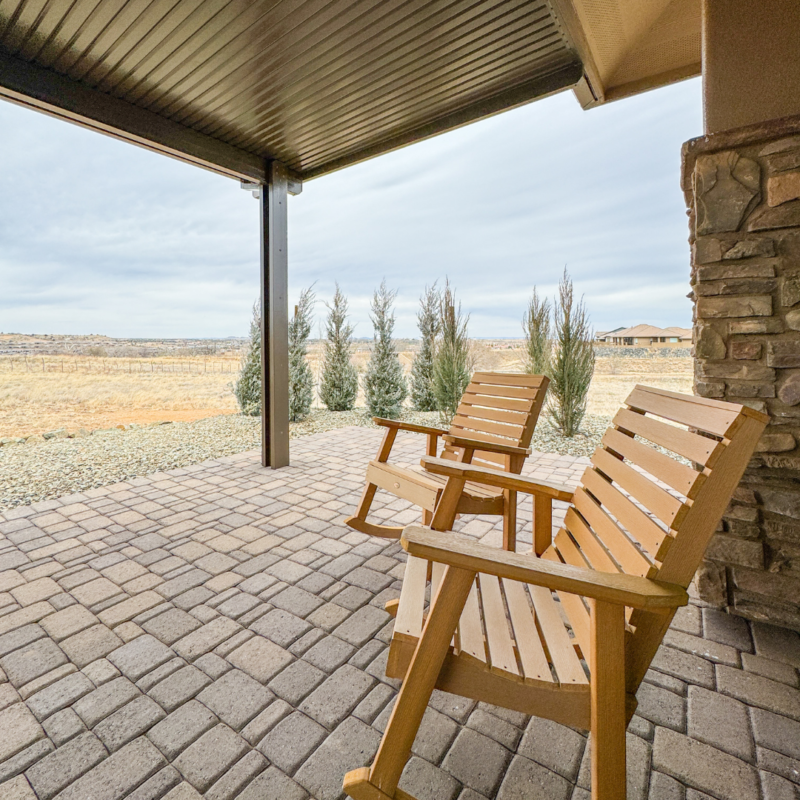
(217, 632)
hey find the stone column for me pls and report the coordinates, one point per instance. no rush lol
(743, 193)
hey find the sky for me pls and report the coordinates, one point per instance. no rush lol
(100, 236)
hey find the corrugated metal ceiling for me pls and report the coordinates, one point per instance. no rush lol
(316, 84)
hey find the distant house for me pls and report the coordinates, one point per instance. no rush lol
(645, 336)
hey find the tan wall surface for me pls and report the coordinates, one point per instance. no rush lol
(751, 62)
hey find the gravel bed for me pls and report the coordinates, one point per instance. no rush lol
(38, 471)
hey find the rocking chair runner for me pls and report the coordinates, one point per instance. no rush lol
(619, 568)
(493, 426)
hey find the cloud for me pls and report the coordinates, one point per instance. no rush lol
(97, 235)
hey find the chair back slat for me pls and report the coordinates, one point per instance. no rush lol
(628, 557)
(710, 417)
(512, 379)
(509, 432)
(493, 414)
(675, 474)
(472, 398)
(498, 408)
(653, 497)
(699, 449)
(650, 535)
(641, 511)
(587, 540)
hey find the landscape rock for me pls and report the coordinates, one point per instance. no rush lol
(106, 457)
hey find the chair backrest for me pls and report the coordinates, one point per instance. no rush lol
(502, 408)
(644, 511)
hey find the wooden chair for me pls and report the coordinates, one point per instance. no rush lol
(632, 540)
(493, 426)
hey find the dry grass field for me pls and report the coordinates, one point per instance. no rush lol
(92, 393)
(45, 392)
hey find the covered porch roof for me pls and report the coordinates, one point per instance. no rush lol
(319, 85)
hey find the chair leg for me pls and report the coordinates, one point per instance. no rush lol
(509, 520)
(420, 680)
(367, 496)
(542, 524)
(608, 717)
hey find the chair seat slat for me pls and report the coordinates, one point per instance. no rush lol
(412, 599)
(526, 634)
(469, 633)
(498, 636)
(559, 646)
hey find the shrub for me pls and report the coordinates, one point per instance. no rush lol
(301, 379)
(384, 382)
(422, 395)
(536, 324)
(339, 383)
(572, 363)
(452, 363)
(248, 386)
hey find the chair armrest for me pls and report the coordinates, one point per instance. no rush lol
(408, 426)
(492, 447)
(498, 478)
(462, 553)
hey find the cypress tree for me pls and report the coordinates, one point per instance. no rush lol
(536, 324)
(452, 363)
(422, 395)
(384, 382)
(301, 379)
(573, 361)
(248, 386)
(339, 384)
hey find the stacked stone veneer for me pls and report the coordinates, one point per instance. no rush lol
(743, 193)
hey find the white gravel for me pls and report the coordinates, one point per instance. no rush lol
(38, 471)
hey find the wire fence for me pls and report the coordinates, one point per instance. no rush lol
(94, 365)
